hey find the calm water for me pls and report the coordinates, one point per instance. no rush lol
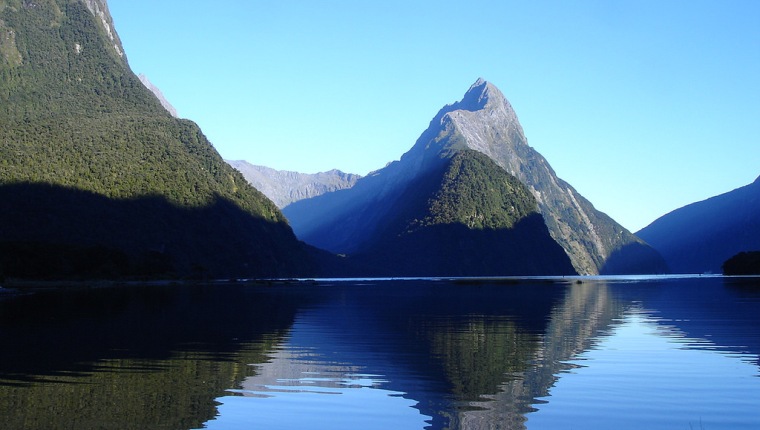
(663, 353)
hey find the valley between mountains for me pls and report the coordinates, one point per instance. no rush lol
(390, 221)
(99, 179)
(465, 193)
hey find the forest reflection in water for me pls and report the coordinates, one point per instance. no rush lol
(389, 354)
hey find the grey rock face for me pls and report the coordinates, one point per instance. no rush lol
(99, 8)
(285, 187)
(483, 121)
(159, 95)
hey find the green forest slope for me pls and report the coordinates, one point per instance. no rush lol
(90, 161)
(467, 217)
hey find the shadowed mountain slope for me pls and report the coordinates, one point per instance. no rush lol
(483, 121)
(467, 218)
(76, 125)
(699, 237)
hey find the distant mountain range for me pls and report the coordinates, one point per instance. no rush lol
(425, 234)
(159, 95)
(353, 221)
(285, 187)
(98, 180)
(699, 237)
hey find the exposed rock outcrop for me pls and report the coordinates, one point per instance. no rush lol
(159, 95)
(483, 121)
(285, 187)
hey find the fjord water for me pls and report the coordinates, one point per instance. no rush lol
(669, 353)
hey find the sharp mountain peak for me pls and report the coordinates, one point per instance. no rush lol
(480, 94)
(484, 121)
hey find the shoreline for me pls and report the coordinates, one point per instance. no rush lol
(10, 285)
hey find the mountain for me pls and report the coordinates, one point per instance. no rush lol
(699, 237)
(159, 95)
(284, 187)
(466, 218)
(347, 221)
(97, 179)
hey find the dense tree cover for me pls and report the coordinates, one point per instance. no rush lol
(483, 121)
(73, 116)
(743, 263)
(84, 120)
(473, 193)
(467, 218)
(50, 231)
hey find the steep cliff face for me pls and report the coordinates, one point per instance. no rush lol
(99, 8)
(483, 121)
(466, 218)
(285, 187)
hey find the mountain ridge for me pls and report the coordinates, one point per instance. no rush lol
(284, 187)
(159, 95)
(466, 218)
(700, 236)
(77, 125)
(483, 121)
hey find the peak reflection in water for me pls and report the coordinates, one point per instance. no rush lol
(467, 356)
(391, 354)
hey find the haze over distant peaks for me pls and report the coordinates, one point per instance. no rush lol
(483, 121)
(285, 187)
(159, 95)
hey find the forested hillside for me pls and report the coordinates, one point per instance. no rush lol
(469, 217)
(90, 160)
(483, 121)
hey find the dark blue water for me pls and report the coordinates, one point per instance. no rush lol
(669, 353)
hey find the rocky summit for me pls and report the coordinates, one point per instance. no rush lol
(284, 187)
(483, 121)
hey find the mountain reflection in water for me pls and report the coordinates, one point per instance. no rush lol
(390, 354)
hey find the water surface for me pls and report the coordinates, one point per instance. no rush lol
(675, 353)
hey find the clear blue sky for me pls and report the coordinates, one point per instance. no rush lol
(643, 106)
